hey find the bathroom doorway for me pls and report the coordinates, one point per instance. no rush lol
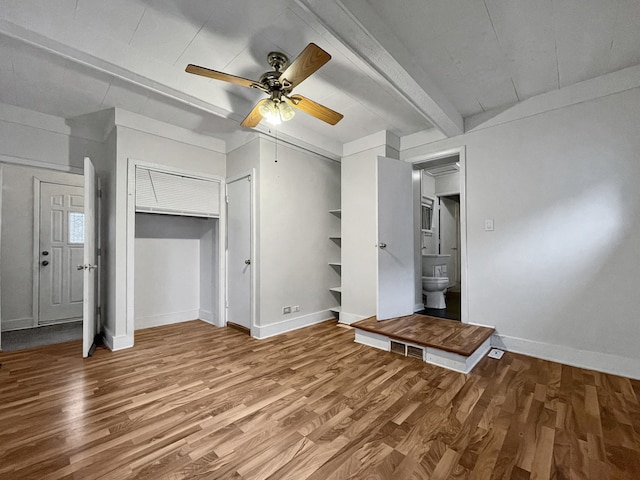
(440, 238)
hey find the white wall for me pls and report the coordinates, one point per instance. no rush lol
(171, 277)
(296, 194)
(35, 139)
(51, 146)
(558, 276)
(169, 149)
(16, 244)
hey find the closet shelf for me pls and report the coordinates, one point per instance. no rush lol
(336, 289)
(335, 264)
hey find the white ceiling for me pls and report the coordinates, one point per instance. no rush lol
(397, 66)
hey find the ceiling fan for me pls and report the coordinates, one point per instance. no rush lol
(278, 84)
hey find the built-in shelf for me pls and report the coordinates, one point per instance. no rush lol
(336, 266)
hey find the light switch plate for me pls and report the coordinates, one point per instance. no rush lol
(488, 225)
(495, 353)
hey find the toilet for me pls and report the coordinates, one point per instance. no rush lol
(434, 288)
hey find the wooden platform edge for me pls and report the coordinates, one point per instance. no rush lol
(487, 332)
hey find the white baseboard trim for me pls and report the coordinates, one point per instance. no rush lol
(601, 362)
(18, 324)
(265, 331)
(165, 319)
(418, 306)
(207, 316)
(119, 342)
(349, 318)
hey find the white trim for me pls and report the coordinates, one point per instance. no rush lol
(207, 316)
(383, 138)
(115, 343)
(418, 306)
(598, 361)
(17, 324)
(255, 261)
(349, 318)
(127, 339)
(585, 91)
(140, 123)
(166, 319)
(265, 331)
(26, 162)
(1, 195)
(462, 160)
(35, 267)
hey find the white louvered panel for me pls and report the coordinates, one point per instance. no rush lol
(175, 194)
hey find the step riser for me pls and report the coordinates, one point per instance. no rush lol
(431, 355)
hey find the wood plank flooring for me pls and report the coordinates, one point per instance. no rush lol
(447, 335)
(195, 401)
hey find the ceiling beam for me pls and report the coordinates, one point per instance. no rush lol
(362, 31)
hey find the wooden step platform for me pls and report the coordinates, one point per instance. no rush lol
(447, 343)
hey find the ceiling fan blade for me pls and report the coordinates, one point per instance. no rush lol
(225, 77)
(313, 108)
(310, 60)
(254, 117)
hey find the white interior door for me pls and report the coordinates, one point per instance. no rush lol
(396, 278)
(61, 249)
(449, 235)
(89, 266)
(239, 266)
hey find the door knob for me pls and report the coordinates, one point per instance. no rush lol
(45, 253)
(248, 262)
(45, 263)
(382, 245)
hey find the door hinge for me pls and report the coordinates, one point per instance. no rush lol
(98, 311)
(99, 193)
(226, 198)
(99, 252)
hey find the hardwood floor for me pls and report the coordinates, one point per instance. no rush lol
(195, 401)
(441, 333)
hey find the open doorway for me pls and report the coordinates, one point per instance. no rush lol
(41, 241)
(440, 236)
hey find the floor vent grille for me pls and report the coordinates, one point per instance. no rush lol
(415, 352)
(397, 347)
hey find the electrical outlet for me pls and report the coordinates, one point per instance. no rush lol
(286, 310)
(295, 308)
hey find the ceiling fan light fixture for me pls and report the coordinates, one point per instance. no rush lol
(269, 110)
(286, 112)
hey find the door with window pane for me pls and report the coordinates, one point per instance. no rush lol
(61, 251)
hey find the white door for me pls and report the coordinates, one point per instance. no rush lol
(89, 267)
(396, 280)
(239, 267)
(449, 236)
(61, 249)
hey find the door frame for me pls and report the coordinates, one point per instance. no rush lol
(131, 234)
(421, 160)
(254, 252)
